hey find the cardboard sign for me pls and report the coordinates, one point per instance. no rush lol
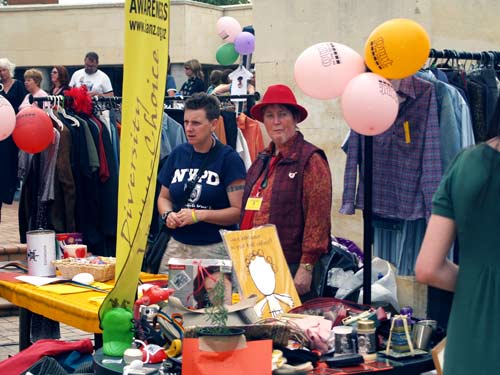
(261, 269)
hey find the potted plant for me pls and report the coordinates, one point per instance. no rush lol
(216, 310)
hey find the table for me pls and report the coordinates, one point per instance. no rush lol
(79, 310)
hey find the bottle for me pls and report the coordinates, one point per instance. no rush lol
(399, 337)
(367, 341)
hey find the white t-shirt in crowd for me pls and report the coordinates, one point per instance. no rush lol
(239, 81)
(98, 82)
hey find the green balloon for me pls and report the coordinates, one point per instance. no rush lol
(226, 54)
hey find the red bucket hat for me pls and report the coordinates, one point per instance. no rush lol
(278, 94)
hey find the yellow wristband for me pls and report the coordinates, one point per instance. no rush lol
(193, 216)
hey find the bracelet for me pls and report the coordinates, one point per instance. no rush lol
(193, 216)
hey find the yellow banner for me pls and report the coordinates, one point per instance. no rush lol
(145, 71)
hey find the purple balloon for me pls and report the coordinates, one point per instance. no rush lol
(244, 43)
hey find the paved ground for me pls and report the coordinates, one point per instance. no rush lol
(9, 325)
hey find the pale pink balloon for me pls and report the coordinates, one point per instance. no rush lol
(228, 28)
(323, 70)
(369, 104)
(7, 118)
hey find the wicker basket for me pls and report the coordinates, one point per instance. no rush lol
(69, 268)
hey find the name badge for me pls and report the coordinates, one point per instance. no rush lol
(253, 204)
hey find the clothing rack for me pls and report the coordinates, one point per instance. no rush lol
(484, 56)
(487, 58)
(222, 98)
(118, 99)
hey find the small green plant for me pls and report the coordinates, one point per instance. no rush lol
(217, 313)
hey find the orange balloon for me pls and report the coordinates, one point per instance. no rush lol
(397, 49)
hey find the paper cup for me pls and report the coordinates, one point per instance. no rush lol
(75, 251)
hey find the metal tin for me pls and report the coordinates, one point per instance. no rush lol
(40, 252)
(366, 324)
(367, 341)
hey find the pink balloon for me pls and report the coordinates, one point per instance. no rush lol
(7, 118)
(228, 28)
(323, 70)
(244, 43)
(369, 104)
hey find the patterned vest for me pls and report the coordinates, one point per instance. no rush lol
(286, 198)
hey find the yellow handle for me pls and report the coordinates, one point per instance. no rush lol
(175, 348)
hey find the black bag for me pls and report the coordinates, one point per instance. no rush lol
(154, 252)
(337, 257)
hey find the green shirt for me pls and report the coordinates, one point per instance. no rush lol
(469, 194)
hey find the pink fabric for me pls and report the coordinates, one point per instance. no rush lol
(23, 360)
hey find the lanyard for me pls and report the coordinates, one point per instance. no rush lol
(268, 169)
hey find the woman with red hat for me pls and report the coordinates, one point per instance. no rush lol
(291, 183)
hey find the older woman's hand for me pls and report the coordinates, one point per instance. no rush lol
(302, 280)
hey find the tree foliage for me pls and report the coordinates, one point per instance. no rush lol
(224, 2)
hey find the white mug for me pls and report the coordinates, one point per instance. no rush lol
(75, 251)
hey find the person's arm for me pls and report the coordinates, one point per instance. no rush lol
(221, 89)
(107, 88)
(225, 216)
(432, 266)
(164, 204)
(316, 203)
(111, 93)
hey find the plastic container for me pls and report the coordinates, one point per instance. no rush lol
(367, 340)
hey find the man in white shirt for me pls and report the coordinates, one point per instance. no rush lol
(97, 82)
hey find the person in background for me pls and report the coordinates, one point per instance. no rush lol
(215, 80)
(170, 87)
(215, 201)
(194, 83)
(32, 81)
(224, 86)
(97, 82)
(59, 80)
(466, 209)
(292, 184)
(14, 91)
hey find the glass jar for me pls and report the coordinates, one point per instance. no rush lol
(367, 340)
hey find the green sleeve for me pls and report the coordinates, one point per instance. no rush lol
(442, 202)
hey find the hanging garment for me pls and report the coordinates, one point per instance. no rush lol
(252, 133)
(406, 158)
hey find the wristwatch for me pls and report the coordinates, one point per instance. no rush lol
(165, 215)
(307, 266)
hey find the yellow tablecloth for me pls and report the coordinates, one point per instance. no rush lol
(79, 310)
